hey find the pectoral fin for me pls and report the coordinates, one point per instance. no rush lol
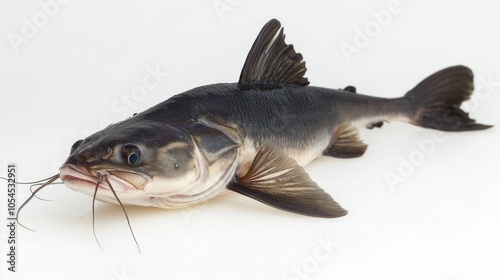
(278, 181)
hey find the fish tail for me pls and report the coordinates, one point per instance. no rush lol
(436, 101)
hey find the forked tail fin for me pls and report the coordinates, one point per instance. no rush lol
(437, 100)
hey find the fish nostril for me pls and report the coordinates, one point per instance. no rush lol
(90, 159)
(108, 154)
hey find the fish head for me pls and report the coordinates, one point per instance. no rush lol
(138, 162)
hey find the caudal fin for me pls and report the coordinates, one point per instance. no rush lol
(437, 100)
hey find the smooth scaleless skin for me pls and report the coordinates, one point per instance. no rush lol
(252, 137)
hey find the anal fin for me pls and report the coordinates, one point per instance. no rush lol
(278, 181)
(347, 143)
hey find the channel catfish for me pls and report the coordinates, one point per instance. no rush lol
(252, 137)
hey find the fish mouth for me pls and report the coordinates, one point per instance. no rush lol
(84, 180)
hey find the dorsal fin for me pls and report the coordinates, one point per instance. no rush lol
(271, 62)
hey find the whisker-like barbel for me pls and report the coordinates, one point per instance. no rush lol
(32, 182)
(35, 183)
(39, 184)
(100, 178)
(99, 181)
(49, 181)
(123, 208)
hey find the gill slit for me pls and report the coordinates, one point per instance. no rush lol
(203, 163)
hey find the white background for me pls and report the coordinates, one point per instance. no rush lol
(441, 222)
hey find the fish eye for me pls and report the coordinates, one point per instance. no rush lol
(75, 146)
(131, 154)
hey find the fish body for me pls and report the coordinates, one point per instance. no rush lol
(253, 136)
